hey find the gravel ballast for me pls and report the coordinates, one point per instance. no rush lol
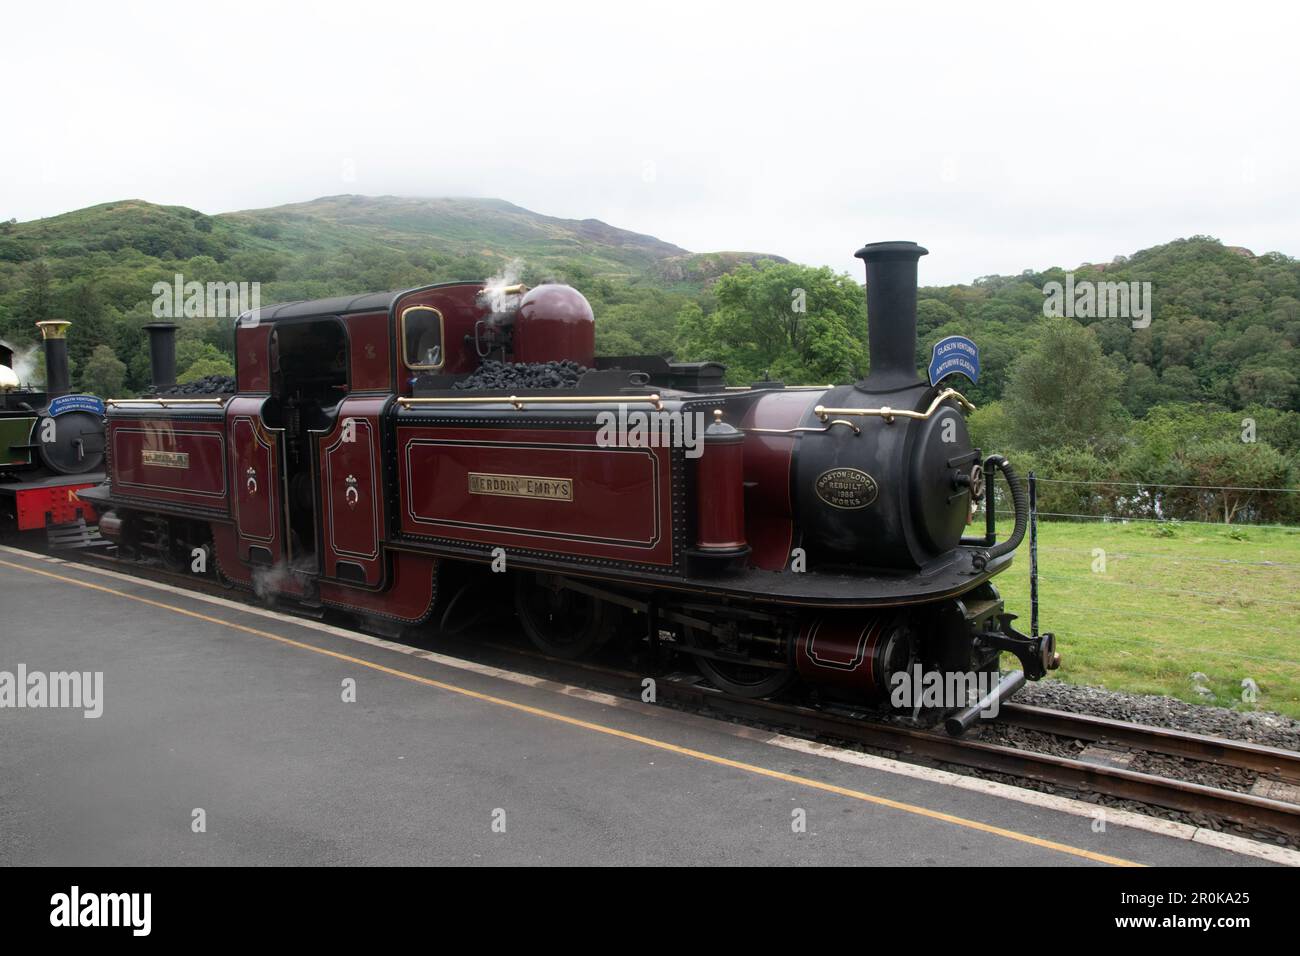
(1259, 727)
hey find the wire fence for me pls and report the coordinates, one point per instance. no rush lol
(1191, 595)
(1172, 522)
(1155, 484)
(1126, 499)
(1168, 558)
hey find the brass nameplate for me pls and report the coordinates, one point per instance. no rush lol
(846, 488)
(521, 486)
(165, 459)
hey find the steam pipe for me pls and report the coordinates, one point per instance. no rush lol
(162, 355)
(1021, 504)
(54, 333)
(891, 314)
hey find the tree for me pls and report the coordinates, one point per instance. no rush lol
(1268, 386)
(990, 428)
(203, 367)
(37, 303)
(81, 305)
(1237, 469)
(1062, 391)
(805, 325)
(104, 374)
(198, 359)
(691, 330)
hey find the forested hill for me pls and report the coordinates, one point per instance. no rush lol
(1224, 323)
(97, 266)
(1221, 339)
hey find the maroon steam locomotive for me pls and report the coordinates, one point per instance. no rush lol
(772, 533)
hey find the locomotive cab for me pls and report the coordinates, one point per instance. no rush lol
(309, 380)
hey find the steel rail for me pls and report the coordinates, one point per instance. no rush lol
(1269, 761)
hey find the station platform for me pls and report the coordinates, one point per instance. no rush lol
(236, 717)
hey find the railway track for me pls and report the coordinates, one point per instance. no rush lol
(1281, 765)
(1244, 809)
(844, 726)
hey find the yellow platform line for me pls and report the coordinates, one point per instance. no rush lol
(601, 728)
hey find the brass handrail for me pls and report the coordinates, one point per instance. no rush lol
(889, 414)
(794, 431)
(164, 402)
(519, 402)
(783, 388)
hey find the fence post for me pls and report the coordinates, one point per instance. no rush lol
(1033, 555)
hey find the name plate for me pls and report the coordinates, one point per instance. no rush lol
(521, 486)
(165, 459)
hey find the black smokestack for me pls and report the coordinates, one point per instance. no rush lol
(891, 314)
(54, 332)
(162, 355)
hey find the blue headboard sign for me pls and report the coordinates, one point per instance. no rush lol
(76, 403)
(955, 355)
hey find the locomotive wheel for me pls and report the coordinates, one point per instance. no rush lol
(560, 622)
(742, 680)
(737, 677)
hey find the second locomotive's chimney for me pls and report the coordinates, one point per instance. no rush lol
(54, 332)
(162, 355)
(891, 314)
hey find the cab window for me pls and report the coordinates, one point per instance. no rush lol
(422, 338)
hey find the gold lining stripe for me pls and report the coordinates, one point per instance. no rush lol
(519, 401)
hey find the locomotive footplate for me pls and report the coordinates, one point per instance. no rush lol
(823, 589)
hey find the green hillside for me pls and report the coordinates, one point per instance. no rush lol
(97, 267)
(491, 228)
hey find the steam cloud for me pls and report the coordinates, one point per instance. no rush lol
(494, 292)
(27, 365)
(268, 583)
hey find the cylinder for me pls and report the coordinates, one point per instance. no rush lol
(891, 314)
(110, 525)
(54, 332)
(162, 355)
(858, 652)
(720, 489)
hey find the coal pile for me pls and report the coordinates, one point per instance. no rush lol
(208, 385)
(524, 375)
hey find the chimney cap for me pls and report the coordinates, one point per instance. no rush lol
(54, 328)
(877, 251)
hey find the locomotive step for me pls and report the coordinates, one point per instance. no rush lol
(76, 535)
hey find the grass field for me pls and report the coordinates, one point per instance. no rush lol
(1171, 601)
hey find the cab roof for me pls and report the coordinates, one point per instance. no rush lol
(338, 305)
(345, 304)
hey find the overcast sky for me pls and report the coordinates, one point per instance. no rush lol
(1001, 136)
